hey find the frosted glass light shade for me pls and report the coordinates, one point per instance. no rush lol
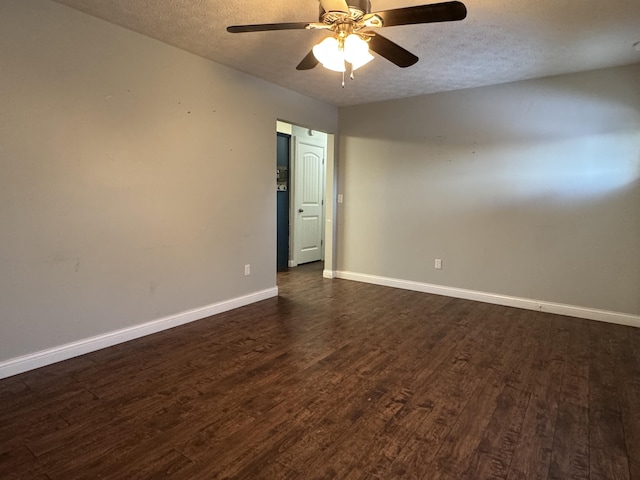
(328, 53)
(356, 51)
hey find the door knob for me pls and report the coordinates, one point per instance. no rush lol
(300, 210)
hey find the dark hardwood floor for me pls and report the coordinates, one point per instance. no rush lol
(337, 379)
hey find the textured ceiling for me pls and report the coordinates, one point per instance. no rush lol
(499, 41)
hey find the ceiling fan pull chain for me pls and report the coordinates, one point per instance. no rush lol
(342, 79)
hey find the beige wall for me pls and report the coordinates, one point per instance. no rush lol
(136, 180)
(529, 189)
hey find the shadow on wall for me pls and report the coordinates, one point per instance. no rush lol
(569, 136)
(529, 189)
(591, 103)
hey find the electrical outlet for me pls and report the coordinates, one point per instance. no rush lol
(438, 264)
(340, 198)
(247, 269)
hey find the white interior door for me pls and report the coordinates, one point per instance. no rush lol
(308, 202)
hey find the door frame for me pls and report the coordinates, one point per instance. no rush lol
(330, 197)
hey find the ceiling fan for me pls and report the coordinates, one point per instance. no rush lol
(352, 26)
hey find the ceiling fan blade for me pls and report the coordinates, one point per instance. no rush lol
(436, 12)
(265, 27)
(392, 51)
(334, 6)
(308, 62)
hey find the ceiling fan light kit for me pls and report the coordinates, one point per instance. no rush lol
(333, 52)
(352, 26)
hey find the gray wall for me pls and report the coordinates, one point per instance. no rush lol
(529, 189)
(136, 180)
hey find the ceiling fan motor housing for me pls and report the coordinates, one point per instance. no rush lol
(363, 6)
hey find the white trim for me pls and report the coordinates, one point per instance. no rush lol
(284, 127)
(329, 273)
(292, 263)
(63, 352)
(518, 302)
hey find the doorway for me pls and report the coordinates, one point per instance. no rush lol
(302, 191)
(282, 200)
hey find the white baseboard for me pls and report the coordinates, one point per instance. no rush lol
(329, 273)
(525, 303)
(63, 352)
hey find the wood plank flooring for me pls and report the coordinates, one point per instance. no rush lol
(338, 380)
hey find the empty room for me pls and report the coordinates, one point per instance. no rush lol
(324, 239)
